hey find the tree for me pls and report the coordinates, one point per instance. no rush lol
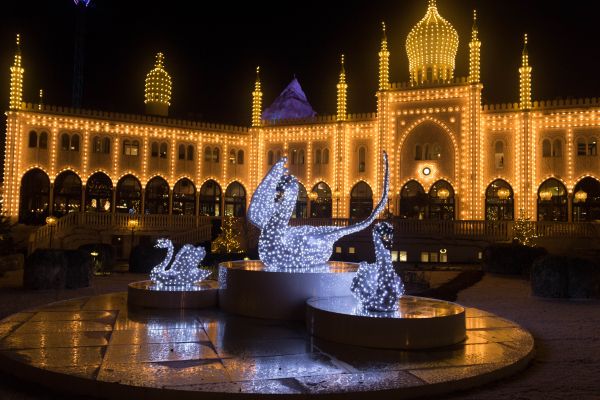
(229, 240)
(524, 230)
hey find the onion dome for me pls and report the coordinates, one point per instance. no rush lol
(158, 88)
(431, 46)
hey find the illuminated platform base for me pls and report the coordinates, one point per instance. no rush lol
(247, 289)
(145, 294)
(419, 323)
(98, 347)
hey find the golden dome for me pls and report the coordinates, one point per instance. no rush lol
(431, 46)
(158, 83)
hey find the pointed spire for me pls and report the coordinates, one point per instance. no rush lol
(16, 79)
(41, 103)
(342, 89)
(474, 53)
(525, 51)
(432, 4)
(474, 30)
(384, 62)
(257, 101)
(525, 78)
(160, 61)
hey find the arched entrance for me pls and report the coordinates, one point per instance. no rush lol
(586, 200)
(441, 201)
(210, 199)
(67, 193)
(98, 193)
(321, 206)
(184, 197)
(129, 195)
(499, 201)
(361, 201)
(552, 201)
(235, 200)
(34, 197)
(413, 201)
(156, 198)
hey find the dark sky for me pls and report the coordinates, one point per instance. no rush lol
(213, 47)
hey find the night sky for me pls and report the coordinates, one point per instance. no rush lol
(212, 49)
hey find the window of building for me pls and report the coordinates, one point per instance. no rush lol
(351, 250)
(426, 152)
(270, 157)
(424, 256)
(278, 155)
(546, 148)
(338, 250)
(301, 157)
(215, 155)
(557, 148)
(402, 256)
(294, 159)
(106, 145)
(436, 151)
(240, 157)
(207, 154)
(325, 156)
(97, 144)
(443, 255)
(154, 149)
(131, 148)
(181, 152)
(499, 154)
(433, 257)
(592, 147)
(362, 157)
(74, 143)
(163, 150)
(43, 143)
(64, 142)
(318, 156)
(581, 147)
(232, 157)
(418, 152)
(190, 152)
(33, 139)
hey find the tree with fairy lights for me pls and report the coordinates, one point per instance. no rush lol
(524, 230)
(229, 240)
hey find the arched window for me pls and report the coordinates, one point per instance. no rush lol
(361, 201)
(34, 197)
(321, 207)
(232, 156)
(181, 152)
(586, 201)
(592, 147)
(240, 157)
(106, 145)
(552, 201)
(270, 157)
(67, 193)
(43, 144)
(207, 154)
(33, 142)
(163, 150)
(235, 200)
(546, 148)
(190, 152)
(215, 155)
(418, 152)
(581, 147)
(75, 142)
(184, 198)
(156, 199)
(301, 157)
(131, 148)
(499, 201)
(413, 201)
(98, 193)
(318, 156)
(278, 155)
(441, 201)
(362, 156)
(436, 151)
(426, 152)
(64, 142)
(210, 199)
(97, 144)
(557, 148)
(300, 211)
(154, 149)
(129, 195)
(325, 156)
(499, 154)
(294, 158)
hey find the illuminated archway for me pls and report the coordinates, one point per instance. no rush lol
(499, 201)
(321, 207)
(552, 201)
(413, 201)
(98, 193)
(129, 195)
(586, 200)
(361, 201)
(235, 200)
(34, 197)
(67, 193)
(184, 197)
(210, 199)
(301, 209)
(156, 197)
(441, 201)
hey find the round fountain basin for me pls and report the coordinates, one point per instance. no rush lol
(419, 323)
(248, 288)
(147, 294)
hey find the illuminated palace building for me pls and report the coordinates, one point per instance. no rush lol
(450, 156)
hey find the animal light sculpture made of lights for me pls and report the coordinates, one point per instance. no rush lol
(296, 248)
(183, 270)
(377, 286)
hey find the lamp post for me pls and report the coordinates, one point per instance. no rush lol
(132, 224)
(51, 222)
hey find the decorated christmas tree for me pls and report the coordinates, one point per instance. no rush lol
(229, 240)
(524, 230)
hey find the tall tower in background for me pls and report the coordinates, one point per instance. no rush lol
(342, 89)
(16, 79)
(79, 53)
(257, 101)
(158, 89)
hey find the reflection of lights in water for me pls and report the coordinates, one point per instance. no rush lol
(296, 248)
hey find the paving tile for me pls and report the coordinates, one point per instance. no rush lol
(65, 305)
(115, 301)
(150, 324)
(259, 386)
(80, 371)
(40, 340)
(234, 329)
(106, 317)
(475, 312)
(504, 335)
(62, 326)
(448, 374)
(488, 323)
(358, 382)
(8, 327)
(156, 352)
(18, 317)
(58, 357)
(271, 347)
(144, 335)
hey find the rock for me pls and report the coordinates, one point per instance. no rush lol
(565, 277)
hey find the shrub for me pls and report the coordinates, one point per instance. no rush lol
(512, 259)
(565, 277)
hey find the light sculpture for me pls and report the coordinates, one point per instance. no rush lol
(296, 248)
(377, 286)
(184, 269)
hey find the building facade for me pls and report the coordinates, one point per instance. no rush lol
(450, 156)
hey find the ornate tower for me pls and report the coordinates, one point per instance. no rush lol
(342, 89)
(16, 79)
(477, 198)
(158, 89)
(474, 53)
(384, 63)
(525, 79)
(257, 101)
(431, 46)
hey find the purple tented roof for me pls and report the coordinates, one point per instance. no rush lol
(291, 104)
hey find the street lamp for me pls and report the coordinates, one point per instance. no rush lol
(51, 222)
(132, 224)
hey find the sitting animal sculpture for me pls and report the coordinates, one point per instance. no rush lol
(183, 270)
(377, 286)
(296, 248)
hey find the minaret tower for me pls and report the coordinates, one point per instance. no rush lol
(257, 101)
(384, 63)
(525, 79)
(474, 53)
(342, 89)
(16, 79)
(158, 89)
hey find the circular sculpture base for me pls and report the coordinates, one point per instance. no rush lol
(419, 323)
(147, 294)
(246, 288)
